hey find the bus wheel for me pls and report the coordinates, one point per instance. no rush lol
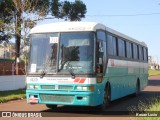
(51, 106)
(137, 88)
(106, 97)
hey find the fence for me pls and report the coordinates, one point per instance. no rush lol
(8, 67)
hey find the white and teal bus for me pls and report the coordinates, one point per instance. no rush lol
(83, 64)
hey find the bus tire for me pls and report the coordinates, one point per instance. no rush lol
(51, 106)
(106, 97)
(137, 88)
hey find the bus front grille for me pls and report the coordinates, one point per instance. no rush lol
(58, 87)
(62, 87)
(48, 87)
(56, 98)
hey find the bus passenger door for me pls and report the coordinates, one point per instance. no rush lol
(101, 55)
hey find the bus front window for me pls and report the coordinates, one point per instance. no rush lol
(43, 53)
(76, 52)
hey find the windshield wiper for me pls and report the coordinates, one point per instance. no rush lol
(43, 72)
(70, 70)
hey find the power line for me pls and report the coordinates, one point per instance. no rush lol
(129, 15)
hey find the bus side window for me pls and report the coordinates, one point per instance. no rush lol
(145, 54)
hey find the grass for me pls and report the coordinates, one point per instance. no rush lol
(6, 96)
(153, 72)
(152, 108)
(154, 104)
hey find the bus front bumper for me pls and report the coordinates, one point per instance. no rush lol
(87, 98)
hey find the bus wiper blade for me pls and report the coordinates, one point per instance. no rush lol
(70, 70)
(43, 72)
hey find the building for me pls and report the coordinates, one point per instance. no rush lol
(153, 63)
(7, 52)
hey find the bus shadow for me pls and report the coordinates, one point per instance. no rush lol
(123, 106)
(154, 82)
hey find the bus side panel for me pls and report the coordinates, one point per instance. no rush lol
(143, 75)
(123, 76)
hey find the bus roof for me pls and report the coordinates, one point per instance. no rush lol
(79, 26)
(67, 27)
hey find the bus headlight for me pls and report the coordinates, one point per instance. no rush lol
(85, 88)
(82, 88)
(31, 86)
(36, 87)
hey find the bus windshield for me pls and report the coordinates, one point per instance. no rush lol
(62, 53)
(76, 52)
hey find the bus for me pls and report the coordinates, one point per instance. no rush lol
(83, 64)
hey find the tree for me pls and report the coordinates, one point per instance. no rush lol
(20, 16)
(26, 14)
(76, 11)
(5, 19)
(72, 11)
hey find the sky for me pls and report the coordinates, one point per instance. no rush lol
(139, 19)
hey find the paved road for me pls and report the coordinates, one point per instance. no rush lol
(124, 104)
